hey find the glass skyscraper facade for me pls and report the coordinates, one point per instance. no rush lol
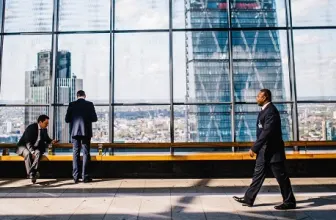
(169, 70)
(256, 61)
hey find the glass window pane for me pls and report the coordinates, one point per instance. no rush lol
(260, 61)
(200, 14)
(246, 122)
(256, 13)
(201, 67)
(14, 120)
(315, 64)
(100, 129)
(141, 67)
(1, 8)
(313, 13)
(202, 123)
(141, 124)
(317, 122)
(141, 14)
(84, 64)
(25, 78)
(28, 15)
(84, 15)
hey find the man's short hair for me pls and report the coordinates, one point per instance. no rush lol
(42, 118)
(80, 93)
(267, 93)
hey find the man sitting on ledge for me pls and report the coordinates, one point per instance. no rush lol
(32, 145)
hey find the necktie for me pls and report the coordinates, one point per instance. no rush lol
(41, 134)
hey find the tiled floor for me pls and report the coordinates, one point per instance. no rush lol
(194, 199)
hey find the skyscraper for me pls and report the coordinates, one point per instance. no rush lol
(256, 64)
(37, 91)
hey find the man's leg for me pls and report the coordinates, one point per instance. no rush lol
(76, 143)
(25, 153)
(86, 160)
(36, 161)
(279, 172)
(257, 181)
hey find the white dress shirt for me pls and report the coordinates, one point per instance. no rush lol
(264, 106)
(38, 136)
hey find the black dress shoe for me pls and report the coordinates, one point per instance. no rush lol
(285, 206)
(87, 180)
(32, 177)
(242, 201)
(76, 181)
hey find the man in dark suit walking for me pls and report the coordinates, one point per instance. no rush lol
(32, 145)
(80, 115)
(270, 151)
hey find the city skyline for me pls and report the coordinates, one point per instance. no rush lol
(311, 119)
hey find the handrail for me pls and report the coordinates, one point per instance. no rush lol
(165, 157)
(112, 146)
(185, 144)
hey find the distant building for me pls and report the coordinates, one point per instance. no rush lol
(38, 90)
(330, 131)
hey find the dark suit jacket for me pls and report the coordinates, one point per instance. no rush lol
(269, 145)
(29, 138)
(80, 115)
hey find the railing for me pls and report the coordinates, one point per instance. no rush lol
(216, 155)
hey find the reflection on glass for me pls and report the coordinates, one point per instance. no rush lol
(100, 129)
(315, 64)
(179, 8)
(179, 66)
(1, 8)
(317, 122)
(201, 67)
(26, 78)
(256, 13)
(202, 123)
(137, 124)
(260, 61)
(313, 13)
(200, 14)
(84, 15)
(142, 67)
(246, 122)
(142, 14)
(14, 120)
(84, 64)
(28, 15)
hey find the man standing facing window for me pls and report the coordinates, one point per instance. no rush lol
(80, 115)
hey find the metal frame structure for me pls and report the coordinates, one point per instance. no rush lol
(171, 30)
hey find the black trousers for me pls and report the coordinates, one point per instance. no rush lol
(78, 144)
(279, 171)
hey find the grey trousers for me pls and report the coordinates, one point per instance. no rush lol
(31, 161)
(78, 144)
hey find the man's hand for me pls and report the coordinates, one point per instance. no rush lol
(54, 141)
(33, 154)
(251, 153)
